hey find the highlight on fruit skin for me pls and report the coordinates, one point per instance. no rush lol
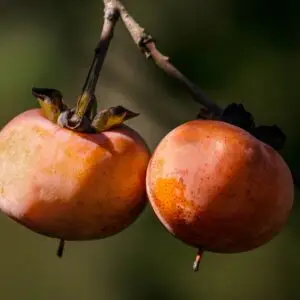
(69, 185)
(216, 187)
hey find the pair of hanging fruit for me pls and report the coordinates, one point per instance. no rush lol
(78, 174)
(212, 184)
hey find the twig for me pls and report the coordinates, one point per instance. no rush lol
(147, 45)
(111, 15)
(78, 118)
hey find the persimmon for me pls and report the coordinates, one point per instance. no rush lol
(73, 173)
(69, 185)
(218, 188)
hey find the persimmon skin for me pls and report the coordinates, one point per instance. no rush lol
(216, 187)
(68, 185)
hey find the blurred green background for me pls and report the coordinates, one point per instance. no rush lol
(237, 51)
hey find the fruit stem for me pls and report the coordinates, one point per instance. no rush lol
(111, 16)
(61, 248)
(197, 260)
(80, 117)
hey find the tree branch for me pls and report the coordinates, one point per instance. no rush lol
(147, 45)
(111, 16)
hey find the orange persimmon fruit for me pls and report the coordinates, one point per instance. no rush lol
(216, 187)
(74, 173)
(70, 185)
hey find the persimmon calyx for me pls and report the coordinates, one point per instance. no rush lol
(237, 115)
(112, 117)
(80, 117)
(51, 102)
(103, 120)
(89, 121)
(67, 120)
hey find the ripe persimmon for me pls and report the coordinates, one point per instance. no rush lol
(218, 188)
(69, 185)
(73, 173)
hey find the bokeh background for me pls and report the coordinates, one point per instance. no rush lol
(237, 51)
